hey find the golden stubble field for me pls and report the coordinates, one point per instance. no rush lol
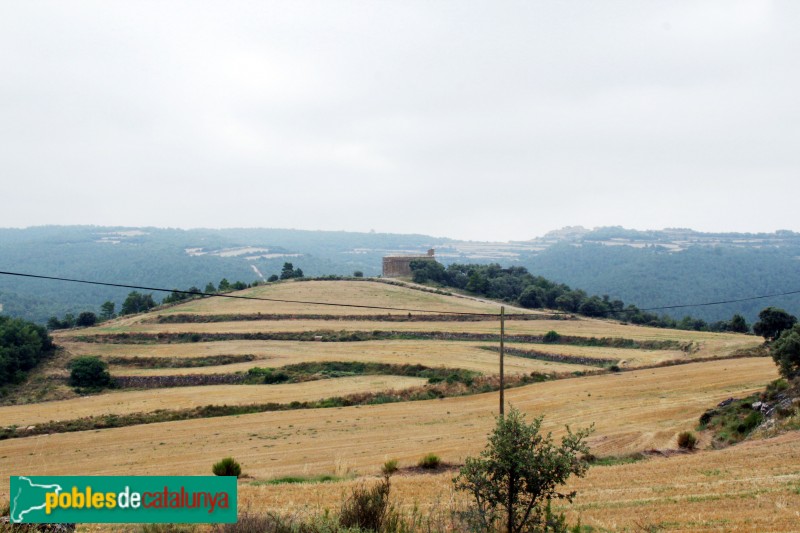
(133, 401)
(749, 487)
(451, 354)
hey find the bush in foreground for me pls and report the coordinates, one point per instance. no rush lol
(516, 476)
(227, 467)
(367, 508)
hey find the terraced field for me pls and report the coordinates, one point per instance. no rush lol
(642, 407)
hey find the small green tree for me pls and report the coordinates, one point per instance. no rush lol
(89, 372)
(516, 476)
(287, 272)
(739, 324)
(786, 352)
(772, 321)
(358, 274)
(107, 310)
(137, 302)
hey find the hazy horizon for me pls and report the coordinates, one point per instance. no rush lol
(554, 230)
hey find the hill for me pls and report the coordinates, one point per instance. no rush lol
(662, 268)
(302, 390)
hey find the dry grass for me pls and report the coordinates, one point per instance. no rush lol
(350, 292)
(126, 402)
(723, 490)
(583, 328)
(753, 486)
(632, 411)
(466, 355)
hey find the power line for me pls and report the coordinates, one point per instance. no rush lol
(723, 301)
(377, 307)
(239, 297)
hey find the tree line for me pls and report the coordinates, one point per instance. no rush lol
(137, 302)
(517, 286)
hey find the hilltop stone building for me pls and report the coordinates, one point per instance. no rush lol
(397, 266)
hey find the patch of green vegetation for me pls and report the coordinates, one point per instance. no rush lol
(614, 460)
(336, 369)
(733, 422)
(359, 336)
(323, 478)
(179, 362)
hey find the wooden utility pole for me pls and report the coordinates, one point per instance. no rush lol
(502, 377)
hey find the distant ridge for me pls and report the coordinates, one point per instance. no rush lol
(647, 268)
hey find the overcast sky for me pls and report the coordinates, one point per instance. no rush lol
(475, 120)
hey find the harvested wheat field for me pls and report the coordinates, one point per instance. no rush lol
(631, 411)
(366, 292)
(725, 490)
(452, 354)
(712, 342)
(126, 402)
(641, 408)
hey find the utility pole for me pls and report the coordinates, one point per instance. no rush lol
(502, 377)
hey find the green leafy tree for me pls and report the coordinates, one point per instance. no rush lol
(137, 302)
(272, 278)
(532, 297)
(69, 321)
(786, 352)
(107, 311)
(89, 372)
(175, 296)
(224, 285)
(772, 321)
(518, 474)
(86, 319)
(53, 323)
(210, 288)
(23, 345)
(358, 274)
(738, 324)
(287, 272)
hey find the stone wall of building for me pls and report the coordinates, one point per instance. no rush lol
(399, 266)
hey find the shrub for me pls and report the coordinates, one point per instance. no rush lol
(687, 440)
(429, 462)
(517, 475)
(389, 467)
(89, 372)
(227, 467)
(367, 508)
(551, 337)
(750, 422)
